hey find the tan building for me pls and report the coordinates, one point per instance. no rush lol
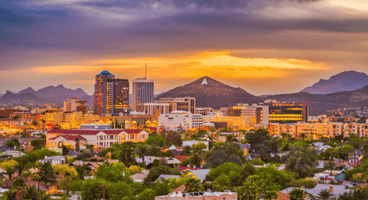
(316, 130)
(180, 104)
(129, 121)
(278, 129)
(69, 120)
(227, 195)
(203, 110)
(235, 123)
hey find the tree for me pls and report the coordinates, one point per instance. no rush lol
(147, 194)
(158, 140)
(172, 138)
(64, 169)
(224, 153)
(77, 148)
(302, 160)
(9, 171)
(142, 150)
(186, 151)
(18, 183)
(355, 141)
(296, 194)
(155, 172)
(111, 173)
(12, 143)
(261, 144)
(37, 144)
(135, 169)
(242, 174)
(92, 189)
(324, 195)
(252, 187)
(274, 179)
(225, 168)
(195, 160)
(199, 147)
(192, 185)
(126, 155)
(46, 173)
(82, 171)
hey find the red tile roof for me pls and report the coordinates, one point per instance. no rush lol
(181, 158)
(70, 137)
(93, 132)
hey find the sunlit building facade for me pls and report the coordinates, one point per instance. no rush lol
(187, 104)
(143, 92)
(280, 112)
(111, 95)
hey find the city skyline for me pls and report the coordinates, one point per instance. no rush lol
(263, 47)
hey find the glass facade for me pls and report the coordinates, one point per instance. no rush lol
(288, 113)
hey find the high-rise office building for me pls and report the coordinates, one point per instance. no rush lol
(111, 95)
(143, 92)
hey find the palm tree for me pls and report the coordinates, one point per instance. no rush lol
(324, 195)
(77, 145)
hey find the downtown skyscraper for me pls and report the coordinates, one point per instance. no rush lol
(143, 92)
(111, 95)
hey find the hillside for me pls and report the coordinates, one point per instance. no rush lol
(345, 81)
(212, 94)
(319, 103)
(50, 94)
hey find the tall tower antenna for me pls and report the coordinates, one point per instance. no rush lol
(146, 70)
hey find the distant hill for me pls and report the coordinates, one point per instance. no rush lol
(319, 103)
(50, 94)
(212, 94)
(345, 81)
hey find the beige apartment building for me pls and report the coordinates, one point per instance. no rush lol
(68, 120)
(316, 130)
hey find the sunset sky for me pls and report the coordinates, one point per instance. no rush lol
(263, 46)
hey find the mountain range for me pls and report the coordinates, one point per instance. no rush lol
(342, 90)
(50, 94)
(345, 81)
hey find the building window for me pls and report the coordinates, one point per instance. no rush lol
(111, 144)
(111, 137)
(101, 137)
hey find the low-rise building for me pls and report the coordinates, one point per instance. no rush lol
(55, 160)
(180, 119)
(99, 138)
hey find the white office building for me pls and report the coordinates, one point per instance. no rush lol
(183, 119)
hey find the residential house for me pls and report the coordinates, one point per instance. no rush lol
(140, 176)
(55, 160)
(336, 190)
(198, 174)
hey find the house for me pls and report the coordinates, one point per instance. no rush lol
(55, 160)
(171, 162)
(198, 174)
(320, 146)
(13, 153)
(336, 190)
(185, 169)
(199, 195)
(140, 176)
(166, 176)
(245, 148)
(356, 155)
(181, 158)
(98, 138)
